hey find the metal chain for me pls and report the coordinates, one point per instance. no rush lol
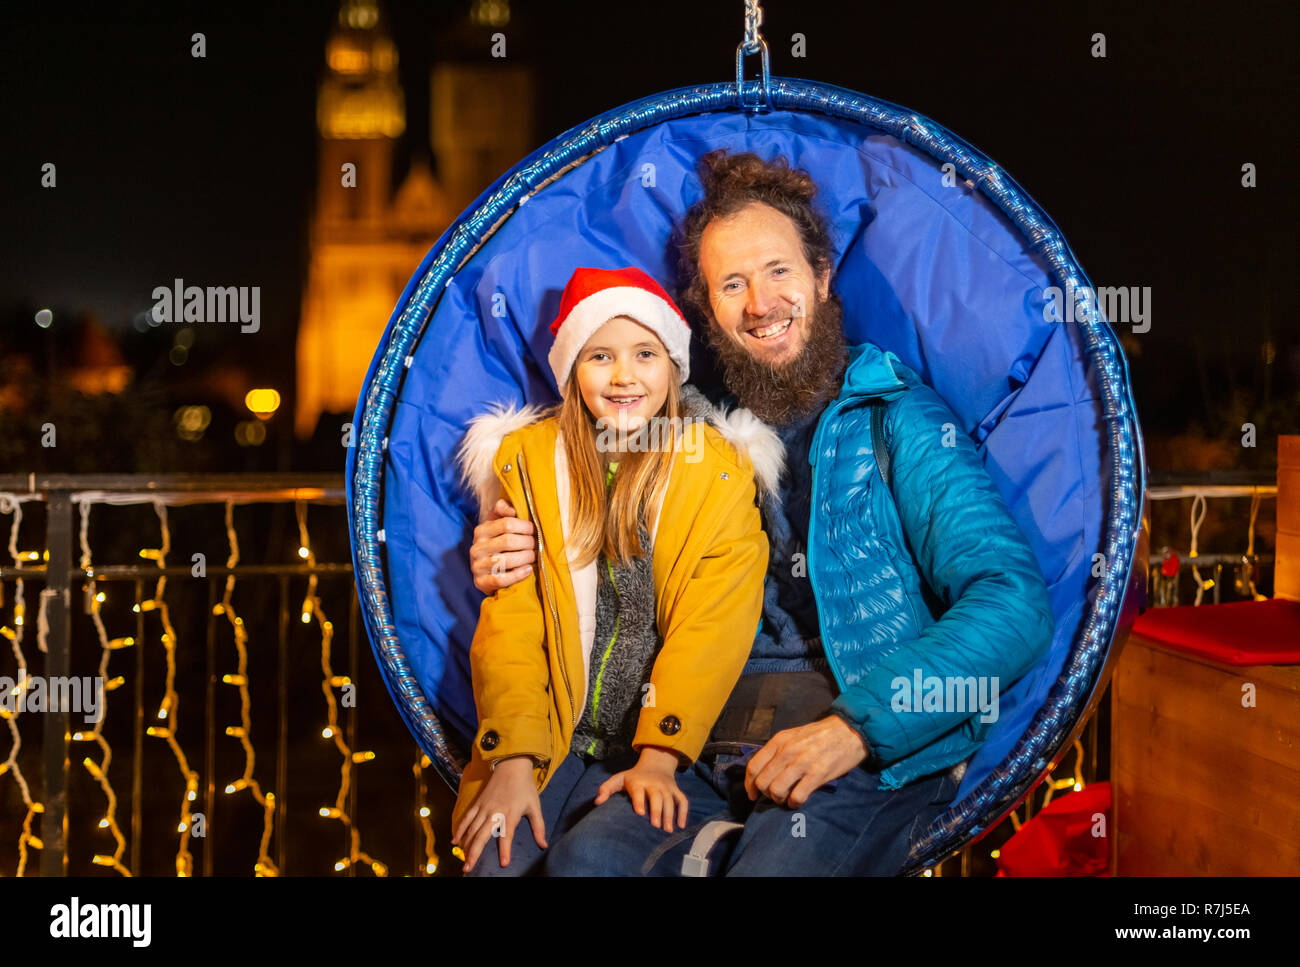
(752, 43)
(753, 20)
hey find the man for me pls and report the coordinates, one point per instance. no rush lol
(824, 752)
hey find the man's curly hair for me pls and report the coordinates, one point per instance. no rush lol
(732, 182)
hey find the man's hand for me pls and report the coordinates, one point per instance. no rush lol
(797, 761)
(502, 553)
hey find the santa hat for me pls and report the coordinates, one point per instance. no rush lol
(595, 296)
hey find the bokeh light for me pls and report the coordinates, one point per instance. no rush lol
(262, 402)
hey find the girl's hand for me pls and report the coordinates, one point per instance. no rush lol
(510, 793)
(654, 778)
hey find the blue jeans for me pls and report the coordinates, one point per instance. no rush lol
(568, 797)
(850, 827)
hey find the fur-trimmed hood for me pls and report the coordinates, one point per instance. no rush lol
(739, 427)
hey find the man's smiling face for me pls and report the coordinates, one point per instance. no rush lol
(761, 288)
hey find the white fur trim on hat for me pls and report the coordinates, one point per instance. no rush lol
(622, 300)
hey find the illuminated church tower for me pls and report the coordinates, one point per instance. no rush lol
(481, 103)
(367, 239)
(354, 261)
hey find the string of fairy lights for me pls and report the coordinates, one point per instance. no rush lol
(11, 504)
(311, 608)
(423, 812)
(99, 770)
(244, 731)
(169, 708)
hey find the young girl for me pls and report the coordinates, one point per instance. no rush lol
(606, 671)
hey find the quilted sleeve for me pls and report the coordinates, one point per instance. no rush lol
(997, 621)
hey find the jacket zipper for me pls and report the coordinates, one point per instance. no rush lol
(547, 592)
(815, 454)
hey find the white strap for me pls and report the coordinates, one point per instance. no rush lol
(696, 863)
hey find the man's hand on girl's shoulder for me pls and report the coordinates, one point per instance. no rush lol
(502, 553)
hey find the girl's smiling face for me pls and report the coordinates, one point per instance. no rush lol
(623, 373)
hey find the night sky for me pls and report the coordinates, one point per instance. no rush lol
(204, 168)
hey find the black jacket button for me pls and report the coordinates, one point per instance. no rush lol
(489, 741)
(670, 725)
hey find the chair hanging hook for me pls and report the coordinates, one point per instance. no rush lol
(753, 43)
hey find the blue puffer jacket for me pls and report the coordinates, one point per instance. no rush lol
(937, 579)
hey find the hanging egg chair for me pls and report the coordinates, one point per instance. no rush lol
(942, 259)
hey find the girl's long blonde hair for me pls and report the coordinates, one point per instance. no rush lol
(611, 525)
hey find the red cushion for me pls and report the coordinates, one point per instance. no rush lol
(1067, 838)
(1241, 633)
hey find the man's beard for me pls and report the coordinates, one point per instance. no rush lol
(781, 394)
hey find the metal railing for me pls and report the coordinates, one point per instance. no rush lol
(1202, 487)
(68, 500)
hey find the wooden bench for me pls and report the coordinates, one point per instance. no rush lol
(1205, 740)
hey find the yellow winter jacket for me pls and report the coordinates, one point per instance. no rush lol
(530, 654)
